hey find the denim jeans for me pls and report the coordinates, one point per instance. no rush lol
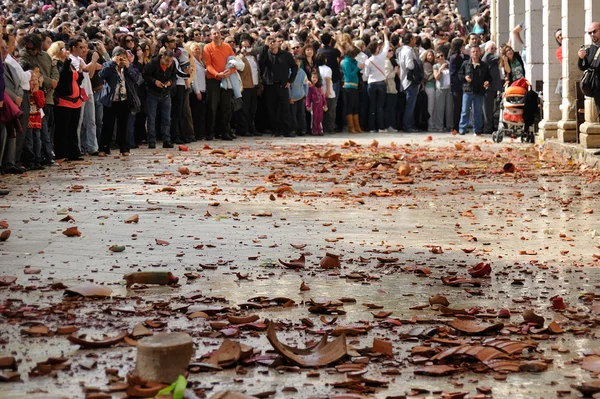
(162, 105)
(408, 122)
(377, 95)
(475, 101)
(87, 127)
(47, 121)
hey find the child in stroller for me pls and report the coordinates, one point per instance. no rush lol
(519, 111)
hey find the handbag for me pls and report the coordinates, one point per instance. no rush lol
(590, 83)
(84, 95)
(416, 74)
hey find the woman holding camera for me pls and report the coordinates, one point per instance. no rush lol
(119, 98)
(68, 108)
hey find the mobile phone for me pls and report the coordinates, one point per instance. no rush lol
(129, 52)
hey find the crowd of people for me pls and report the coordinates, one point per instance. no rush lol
(88, 77)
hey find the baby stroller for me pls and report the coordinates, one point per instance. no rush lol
(518, 111)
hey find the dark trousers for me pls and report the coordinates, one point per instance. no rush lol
(278, 104)
(66, 143)
(250, 104)
(390, 110)
(376, 105)
(177, 98)
(363, 99)
(198, 108)
(457, 97)
(488, 111)
(218, 120)
(352, 101)
(119, 113)
(597, 100)
(400, 107)
(187, 122)
(298, 110)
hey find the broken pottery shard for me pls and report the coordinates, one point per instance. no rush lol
(436, 370)
(159, 278)
(382, 346)
(7, 280)
(105, 343)
(510, 347)
(164, 357)
(72, 232)
(322, 354)
(481, 353)
(133, 219)
(530, 317)
(295, 264)
(480, 270)
(454, 281)
(228, 354)
(330, 261)
(89, 290)
(588, 388)
(591, 363)
(243, 319)
(472, 328)
(439, 300)
(231, 395)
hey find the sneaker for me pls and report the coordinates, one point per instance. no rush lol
(461, 133)
(168, 144)
(382, 130)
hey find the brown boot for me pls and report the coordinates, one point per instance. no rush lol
(350, 121)
(357, 124)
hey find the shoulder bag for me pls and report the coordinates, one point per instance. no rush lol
(590, 82)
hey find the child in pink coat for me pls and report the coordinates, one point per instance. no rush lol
(316, 102)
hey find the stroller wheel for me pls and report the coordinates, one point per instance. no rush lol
(495, 137)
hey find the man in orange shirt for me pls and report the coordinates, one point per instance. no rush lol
(218, 99)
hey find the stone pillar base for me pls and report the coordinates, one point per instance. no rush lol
(548, 129)
(590, 135)
(567, 131)
(591, 112)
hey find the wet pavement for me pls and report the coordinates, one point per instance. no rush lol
(228, 219)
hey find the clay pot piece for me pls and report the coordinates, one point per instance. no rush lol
(322, 354)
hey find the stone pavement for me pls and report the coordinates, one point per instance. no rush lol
(226, 224)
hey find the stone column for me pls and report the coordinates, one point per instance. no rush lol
(573, 26)
(590, 129)
(533, 39)
(516, 16)
(552, 70)
(502, 21)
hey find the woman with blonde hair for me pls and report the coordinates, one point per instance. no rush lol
(197, 97)
(187, 128)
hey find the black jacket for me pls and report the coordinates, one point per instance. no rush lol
(478, 75)
(64, 88)
(586, 62)
(493, 62)
(277, 69)
(153, 72)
